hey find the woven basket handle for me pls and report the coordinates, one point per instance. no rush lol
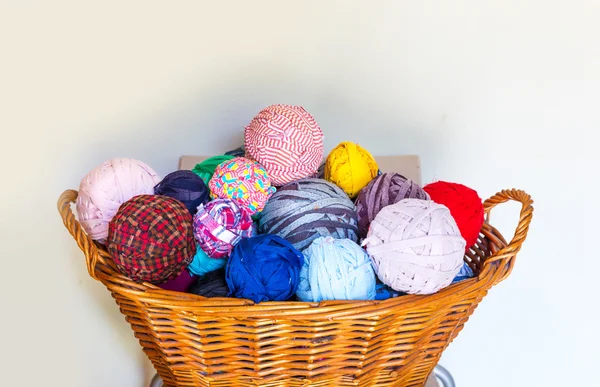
(526, 214)
(84, 242)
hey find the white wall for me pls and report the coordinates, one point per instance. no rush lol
(494, 94)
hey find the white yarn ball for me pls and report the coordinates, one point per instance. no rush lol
(106, 187)
(416, 246)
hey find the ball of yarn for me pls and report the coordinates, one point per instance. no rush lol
(185, 186)
(415, 246)
(237, 152)
(384, 292)
(386, 189)
(219, 225)
(151, 238)
(336, 269)
(106, 187)
(212, 284)
(464, 204)
(350, 167)
(181, 283)
(244, 181)
(264, 268)
(202, 263)
(206, 169)
(306, 209)
(464, 273)
(287, 141)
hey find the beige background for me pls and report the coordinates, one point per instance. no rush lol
(493, 94)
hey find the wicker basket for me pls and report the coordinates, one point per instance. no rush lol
(196, 341)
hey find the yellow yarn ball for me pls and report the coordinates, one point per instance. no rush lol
(350, 167)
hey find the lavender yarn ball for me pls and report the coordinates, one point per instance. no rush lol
(415, 246)
(303, 210)
(185, 186)
(387, 188)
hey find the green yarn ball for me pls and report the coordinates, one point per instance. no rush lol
(206, 169)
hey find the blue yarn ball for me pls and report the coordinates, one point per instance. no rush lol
(384, 292)
(303, 210)
(464, 273)
(263, 268)
(336, 269)
(202, 263)
(185, 186)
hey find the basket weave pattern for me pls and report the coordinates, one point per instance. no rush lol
(194, 341)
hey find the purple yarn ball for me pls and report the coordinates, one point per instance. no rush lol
(185, 186)
(387, 188)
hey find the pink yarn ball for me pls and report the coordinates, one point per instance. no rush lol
(287, 141)
(415, 246)
(106, 187)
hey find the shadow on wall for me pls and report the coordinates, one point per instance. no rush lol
(212, 117)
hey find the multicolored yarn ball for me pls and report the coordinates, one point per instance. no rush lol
(181, 283)
(306, 209)
(350, 167)
(336, 269)
(287, 141)
(106, 187)
(264, 268)
(464, 204)
(386, 189)
(202, 263)
(151, 238)
(206, 169)
(219, 225)
(415, 246)
(244, 181)
(185, 186)
(212, 284)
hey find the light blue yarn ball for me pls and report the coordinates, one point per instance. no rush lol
(202, 263)
(336, 269)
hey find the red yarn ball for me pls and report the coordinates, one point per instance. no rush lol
(464, 204)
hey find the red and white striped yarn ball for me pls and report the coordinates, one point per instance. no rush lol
(287, 141)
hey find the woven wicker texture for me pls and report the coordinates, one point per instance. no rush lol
(194, 341)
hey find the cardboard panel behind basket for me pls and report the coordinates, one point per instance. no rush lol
(406, 165)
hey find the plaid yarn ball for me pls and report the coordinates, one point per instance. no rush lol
(244, 181)
(151, 238)
(219, 225)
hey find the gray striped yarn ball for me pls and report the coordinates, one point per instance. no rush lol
(303, 210)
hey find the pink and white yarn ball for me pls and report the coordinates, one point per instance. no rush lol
(106, 187)
(415, 246)
(221, 224)
(243, 180)
(287, 141)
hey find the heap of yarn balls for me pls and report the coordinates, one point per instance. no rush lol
(287, 141)
(336, 269)
(219, 225)
(202, 263)
(106, 187)
(464, 204)
(350, 167)
(306, 209)
(151, 238)
(264, 268)
(244, 181)
(415, 246)
(386, 189)
(211, 284)
(206, 169)
(185, 186)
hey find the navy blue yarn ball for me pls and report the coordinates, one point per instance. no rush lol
(185, 186)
